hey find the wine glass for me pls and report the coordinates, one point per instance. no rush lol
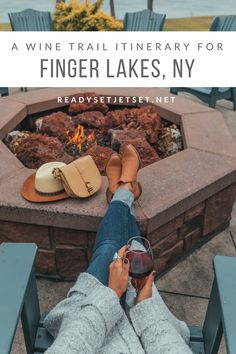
(139, 254)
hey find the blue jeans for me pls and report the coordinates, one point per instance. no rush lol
(116, 228)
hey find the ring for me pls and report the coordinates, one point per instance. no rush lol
(116, 256)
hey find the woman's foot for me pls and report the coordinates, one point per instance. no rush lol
(131, 163)
(113, 172)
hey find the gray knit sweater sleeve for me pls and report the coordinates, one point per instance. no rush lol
(83, 326)
(156, 333)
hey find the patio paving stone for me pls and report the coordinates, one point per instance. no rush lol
(194, 275)
(51, 292)
(186, 308)
(189, 309)
(18, 344)
(233, 235)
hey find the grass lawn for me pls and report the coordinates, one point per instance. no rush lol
(5, 27)
(175, 24)
(188, 24)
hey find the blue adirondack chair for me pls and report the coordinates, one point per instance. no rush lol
(31, 20)
(4, 91)
(224, 23)
(18, 297)
(145, 20)
(211, 95)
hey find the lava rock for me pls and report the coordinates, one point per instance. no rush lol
(88, 101)
(116, 118)
(150, 121)
(102, 137)
(13, 139)
(100, 154)
(122, 136)
(37, 149)
(93, 119)
(143, 118)
(146, 152)
(57, 124)
(170, 141)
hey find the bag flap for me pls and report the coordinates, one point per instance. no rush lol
(82, 177)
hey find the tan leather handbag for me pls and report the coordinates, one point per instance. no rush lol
(81, 178)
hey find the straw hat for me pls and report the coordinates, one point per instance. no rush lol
(42, 186)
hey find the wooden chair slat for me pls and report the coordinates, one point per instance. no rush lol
(4, 91)
(225, 278)
(145, 20)
(16, 269)
(43, 340)
(224, 23)
(196, 334)
(31, 20)
(197, 347)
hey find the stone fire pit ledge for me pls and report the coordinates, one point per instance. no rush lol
(182, 181)
(12, 113)
(186, 197)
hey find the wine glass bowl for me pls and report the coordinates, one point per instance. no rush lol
(139, 254)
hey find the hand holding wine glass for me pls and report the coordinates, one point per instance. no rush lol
(139, 254)
(119, 273)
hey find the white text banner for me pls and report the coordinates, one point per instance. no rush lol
(117, 59)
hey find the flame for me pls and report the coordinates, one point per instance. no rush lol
(90, 139)
(80, 138)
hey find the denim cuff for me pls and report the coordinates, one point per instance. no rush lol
(125, 196)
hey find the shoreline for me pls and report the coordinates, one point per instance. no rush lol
(174, 24)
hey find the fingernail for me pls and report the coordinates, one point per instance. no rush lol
(154, 273)
(126, 261)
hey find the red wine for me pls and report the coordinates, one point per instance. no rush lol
(141, 264)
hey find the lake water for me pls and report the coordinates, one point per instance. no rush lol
(172, 8)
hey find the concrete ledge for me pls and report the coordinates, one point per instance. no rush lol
(42, 100)
(180, 182)
(12, 113)
(207, 131)
(10, 166)
(81, 214)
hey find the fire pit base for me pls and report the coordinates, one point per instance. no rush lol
(64, 253)
(186, 198)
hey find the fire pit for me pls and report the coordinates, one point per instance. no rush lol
(187, 197)
(94, 129)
